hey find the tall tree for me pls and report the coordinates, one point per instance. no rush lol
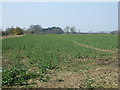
(67, 29)
(17, 31)
(73, 30)
(36, 29)
(9, 31)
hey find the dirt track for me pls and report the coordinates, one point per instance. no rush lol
(10, 36)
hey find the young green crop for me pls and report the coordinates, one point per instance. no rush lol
(47, 52)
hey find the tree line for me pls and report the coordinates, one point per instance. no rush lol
(37, 29)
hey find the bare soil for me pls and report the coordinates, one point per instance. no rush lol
(106, 76)
(10, 36)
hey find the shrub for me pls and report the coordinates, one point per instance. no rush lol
(17, 31)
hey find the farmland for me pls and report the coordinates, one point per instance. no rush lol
(60, 61)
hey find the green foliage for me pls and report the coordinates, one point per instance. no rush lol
(17, 31)
(44, 78)
(17, 75)
(14, 76)
(34, 29)
(9, 31)
(89, 83)
(37, 29)
(54, 30)
(13, 31)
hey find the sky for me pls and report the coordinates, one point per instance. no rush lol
(86, 16)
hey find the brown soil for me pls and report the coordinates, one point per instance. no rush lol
(105, 74)
(10, 36)
(77, 80)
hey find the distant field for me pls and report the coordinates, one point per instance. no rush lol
(69, 61)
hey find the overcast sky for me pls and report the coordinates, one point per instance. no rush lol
(86, 16)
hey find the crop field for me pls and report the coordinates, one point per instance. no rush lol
(60, 61)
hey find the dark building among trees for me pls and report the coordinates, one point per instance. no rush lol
(53, 30)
